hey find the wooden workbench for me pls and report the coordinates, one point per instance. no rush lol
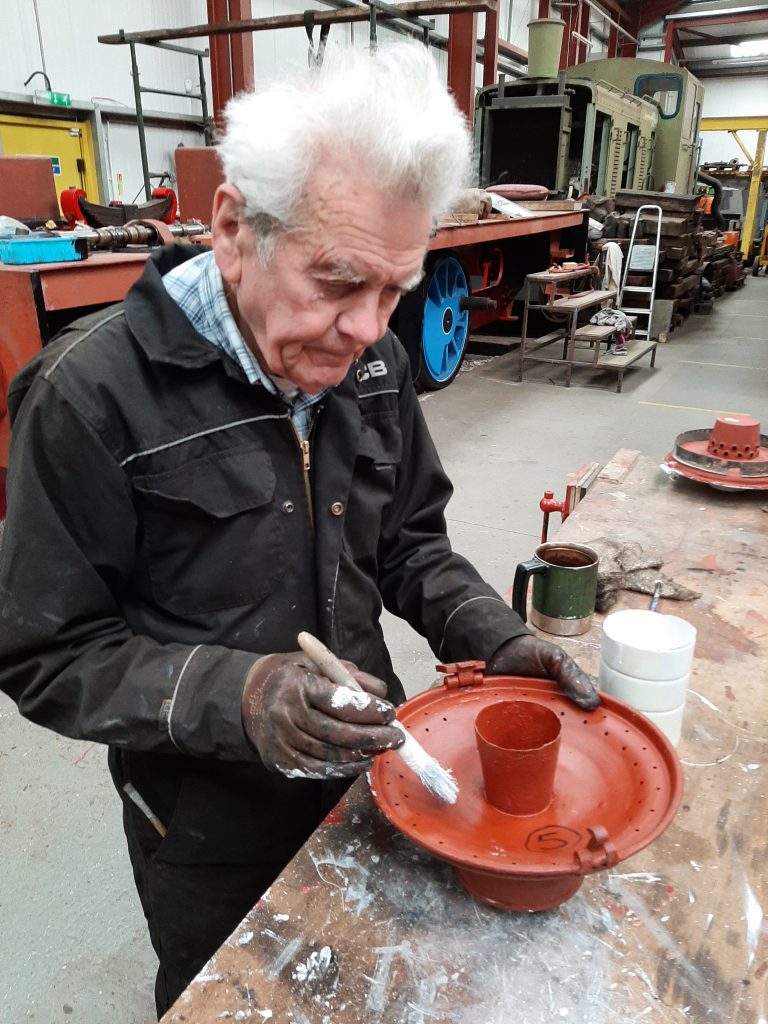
(676, 934)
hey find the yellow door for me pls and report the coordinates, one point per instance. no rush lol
(68, 144)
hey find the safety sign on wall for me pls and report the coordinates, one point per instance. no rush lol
(56, 165)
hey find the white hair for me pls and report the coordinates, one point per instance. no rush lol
(385, 114)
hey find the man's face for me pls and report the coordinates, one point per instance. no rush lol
(331, 287)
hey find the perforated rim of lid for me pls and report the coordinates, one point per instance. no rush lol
(616, 770)
(732, 455)
(733, 479)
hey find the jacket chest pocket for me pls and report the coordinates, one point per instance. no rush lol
(379, 454)
(210, 532)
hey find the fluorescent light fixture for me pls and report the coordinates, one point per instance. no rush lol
(732, 62)
(750, 48)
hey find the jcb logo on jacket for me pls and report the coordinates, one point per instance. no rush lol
(378, 368)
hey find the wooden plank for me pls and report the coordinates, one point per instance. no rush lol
(594, 332)
(667, 201)
(681, 288)
(673, 934)
(617, 470)
(583, 300)
(549, 204)
(621, 360)
(499, 228)
(560, 276)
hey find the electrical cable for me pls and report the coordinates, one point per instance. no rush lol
(40, 41)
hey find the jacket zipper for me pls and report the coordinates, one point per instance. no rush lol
(306, 461)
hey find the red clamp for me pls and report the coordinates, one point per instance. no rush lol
(548, 505)
(462, 673)
(163, 193)
(600, 851)
(70, 205)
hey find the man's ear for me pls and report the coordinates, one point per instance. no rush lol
(226, 232)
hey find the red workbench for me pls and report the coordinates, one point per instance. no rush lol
(30, 294)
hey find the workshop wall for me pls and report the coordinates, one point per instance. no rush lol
(124, 162)
(742, 96)
(78, 64)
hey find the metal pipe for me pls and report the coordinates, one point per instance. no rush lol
(170, 92)
(372, 40)
(742, 147)
(604, 14)
(203, 95)
(138, 234)
(407, 8)
(717, 185)
(436, 39)
(181, 49)
(411, 26)
(140, 122)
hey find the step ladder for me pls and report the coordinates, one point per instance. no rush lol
(642, 259)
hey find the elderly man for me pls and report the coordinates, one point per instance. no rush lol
(233, 455)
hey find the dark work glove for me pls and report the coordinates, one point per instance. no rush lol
(528, 656)
(303, 725)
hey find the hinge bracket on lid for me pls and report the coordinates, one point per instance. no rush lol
(462, 673)
(600, 851)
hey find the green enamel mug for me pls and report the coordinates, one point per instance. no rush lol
(564, 587)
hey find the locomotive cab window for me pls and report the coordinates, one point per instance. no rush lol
(666, 91)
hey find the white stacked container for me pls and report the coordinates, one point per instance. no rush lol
(646, 661)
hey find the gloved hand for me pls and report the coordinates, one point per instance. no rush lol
(304, 726)
(529, 656)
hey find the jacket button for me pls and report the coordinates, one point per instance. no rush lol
(288, 507)
(337, 508)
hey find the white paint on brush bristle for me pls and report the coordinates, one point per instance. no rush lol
(438, 780)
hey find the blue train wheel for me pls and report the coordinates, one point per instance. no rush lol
(445, 327)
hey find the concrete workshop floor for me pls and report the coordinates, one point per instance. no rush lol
(73, 944)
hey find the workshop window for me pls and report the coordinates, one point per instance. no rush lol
(666, 91)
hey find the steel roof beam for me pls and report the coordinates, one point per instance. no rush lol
(657, 10)
(352, 14)
(751, 13)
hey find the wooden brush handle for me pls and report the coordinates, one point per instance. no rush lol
(327, 661)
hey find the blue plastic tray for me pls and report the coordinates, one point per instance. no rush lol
(18, 251)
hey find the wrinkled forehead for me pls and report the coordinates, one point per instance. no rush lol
(351, 233)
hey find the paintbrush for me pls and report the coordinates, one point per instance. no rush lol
(430, 772)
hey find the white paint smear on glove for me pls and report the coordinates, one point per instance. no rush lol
(344, 697)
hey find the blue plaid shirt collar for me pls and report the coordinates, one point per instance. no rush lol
(197, 288)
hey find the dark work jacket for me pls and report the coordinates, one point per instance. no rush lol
(159, 538)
